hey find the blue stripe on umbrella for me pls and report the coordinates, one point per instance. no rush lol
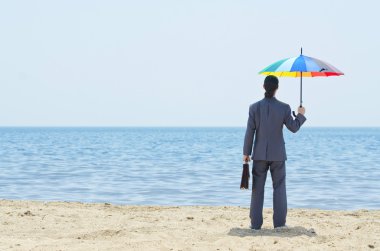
(312, 65)
(299, 64)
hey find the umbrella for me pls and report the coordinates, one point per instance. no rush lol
(245, 176)
(301, 66)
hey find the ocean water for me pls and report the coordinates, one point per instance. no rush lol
(327, 168)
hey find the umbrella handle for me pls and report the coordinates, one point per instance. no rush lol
(294, 113)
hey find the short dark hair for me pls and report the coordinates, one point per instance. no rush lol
(270, 85)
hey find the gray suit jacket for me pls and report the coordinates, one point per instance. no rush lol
(265, 123)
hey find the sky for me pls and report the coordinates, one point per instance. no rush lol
(182, 63)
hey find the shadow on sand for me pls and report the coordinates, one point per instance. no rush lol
(281, 232)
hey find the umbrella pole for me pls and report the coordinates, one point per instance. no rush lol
(294, 113)
(301, 91)
(301, 86)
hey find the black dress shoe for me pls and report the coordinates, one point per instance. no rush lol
(256, 229)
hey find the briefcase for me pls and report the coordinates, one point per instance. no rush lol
(245, 176)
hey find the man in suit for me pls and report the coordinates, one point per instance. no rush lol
(265, 123)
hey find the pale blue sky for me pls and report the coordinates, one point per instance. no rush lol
(182, 63)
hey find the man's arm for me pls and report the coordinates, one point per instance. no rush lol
(294, 124)
(249, 134)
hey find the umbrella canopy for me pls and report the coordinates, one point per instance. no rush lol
(301, 66)
(308, 66)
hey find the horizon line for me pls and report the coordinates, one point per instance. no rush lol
(160, 126)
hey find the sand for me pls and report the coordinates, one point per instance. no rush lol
(31, 225)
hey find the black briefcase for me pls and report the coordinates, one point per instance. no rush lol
(245, 176)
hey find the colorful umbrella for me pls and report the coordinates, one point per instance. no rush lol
(301, 66)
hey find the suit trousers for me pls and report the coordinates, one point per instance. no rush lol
(259, 175)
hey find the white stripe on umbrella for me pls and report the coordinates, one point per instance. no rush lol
(287, 65)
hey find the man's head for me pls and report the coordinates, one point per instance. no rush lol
(270, 86)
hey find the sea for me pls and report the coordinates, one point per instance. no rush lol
(327, 168)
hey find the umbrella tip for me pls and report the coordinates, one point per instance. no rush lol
(301, 50)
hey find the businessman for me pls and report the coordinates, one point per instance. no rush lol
(264, 128)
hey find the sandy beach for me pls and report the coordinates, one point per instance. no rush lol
(31, 225)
